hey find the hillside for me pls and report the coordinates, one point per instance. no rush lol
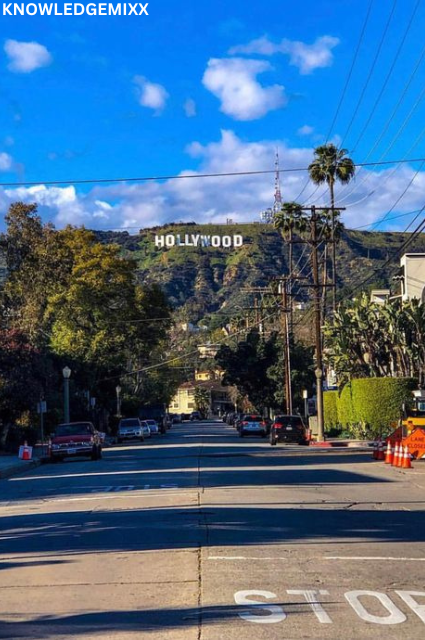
(203, 280)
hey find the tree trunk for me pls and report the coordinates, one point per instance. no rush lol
(331, 188)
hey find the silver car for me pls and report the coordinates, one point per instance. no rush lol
(129, 429)
(146, 429)
(153, 426)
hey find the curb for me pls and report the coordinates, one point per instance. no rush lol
(15, 470)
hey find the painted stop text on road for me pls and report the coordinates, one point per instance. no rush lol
(257, 606)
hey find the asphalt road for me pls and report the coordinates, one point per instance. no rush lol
(202, 535)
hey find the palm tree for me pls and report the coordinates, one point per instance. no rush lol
(331, 165)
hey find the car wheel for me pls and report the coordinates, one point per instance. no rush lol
(119, 440)
(273, 442)
(263, 435)
(241, 434)
(304, 443)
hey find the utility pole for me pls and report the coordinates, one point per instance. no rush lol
(283, 284)
(317, 327)
(314, 242)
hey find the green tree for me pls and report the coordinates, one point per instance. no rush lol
(202, 400)
(331, 165)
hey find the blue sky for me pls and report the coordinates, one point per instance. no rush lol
(212, 86)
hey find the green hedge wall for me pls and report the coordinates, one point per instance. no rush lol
(330, 399)
(367, 406)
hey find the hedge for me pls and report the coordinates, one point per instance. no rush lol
(367, 406)
(330, 399)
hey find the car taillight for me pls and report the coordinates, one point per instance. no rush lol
(243, 423)
(278, 426)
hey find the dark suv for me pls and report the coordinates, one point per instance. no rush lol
(288, 429)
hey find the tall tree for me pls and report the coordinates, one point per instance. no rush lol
(331, 165)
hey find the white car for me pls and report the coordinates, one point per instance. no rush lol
(129, 429)
(153, 426)
(146, 429)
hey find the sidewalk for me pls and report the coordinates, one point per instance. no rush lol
(11, 465)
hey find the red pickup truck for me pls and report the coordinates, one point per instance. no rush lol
(75, 439)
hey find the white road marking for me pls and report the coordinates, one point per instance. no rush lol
(243, 558)
(392, 558)
(277, 614)
(316, 607)
(395, 615)
(274, 558)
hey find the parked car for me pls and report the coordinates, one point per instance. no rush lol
(167, 420)
(252, 425)
(288, 429)
(130, 429)
(177, 418)
(195, 416)
(153, 426)
(145, 429)
(75, 439)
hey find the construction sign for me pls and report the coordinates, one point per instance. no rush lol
(416, 443)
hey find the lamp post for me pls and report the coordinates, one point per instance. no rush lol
(305, 397)
(118, 391)
(66, 371)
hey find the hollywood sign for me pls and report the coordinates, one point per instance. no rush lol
(197, 240)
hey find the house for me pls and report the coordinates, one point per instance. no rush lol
(220, 398)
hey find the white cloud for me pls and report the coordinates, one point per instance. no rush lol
(151, 95)
(234, 82)
(241, 198)
(306, 130)
(5, 161)
(190, 108)
(26, 56)
(307, 57)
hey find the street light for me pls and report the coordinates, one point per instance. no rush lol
(305, 397)
(66, 372)
(118, 390)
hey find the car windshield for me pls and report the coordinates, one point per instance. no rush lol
(130, 422)
(253, 419)
(293, 421)
(81, 428)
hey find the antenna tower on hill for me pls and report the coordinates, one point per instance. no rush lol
(267, 216)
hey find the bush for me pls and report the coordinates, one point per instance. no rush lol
(367, 406)
(378, 402)
(330, 410)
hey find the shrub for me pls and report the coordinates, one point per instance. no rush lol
(330, 410)
(366, 407)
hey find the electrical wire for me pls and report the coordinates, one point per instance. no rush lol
(350, 73)
(370, 74)
(192, 176)
(388, 76)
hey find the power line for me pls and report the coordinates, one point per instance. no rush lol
(371, 70)
(388, 76)
(350, 73)
(228, 174)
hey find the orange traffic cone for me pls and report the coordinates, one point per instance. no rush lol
(389, 454)
(381, 454)
(395, 456)
(400, 455)
(26, 452)
(406, 459)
